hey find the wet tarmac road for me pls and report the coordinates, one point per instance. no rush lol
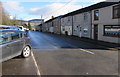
(19, 66)
(60, 55)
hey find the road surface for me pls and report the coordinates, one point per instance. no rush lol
(61, 55)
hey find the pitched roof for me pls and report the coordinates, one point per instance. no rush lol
(92, 7)
(36, 20)
(54, 18)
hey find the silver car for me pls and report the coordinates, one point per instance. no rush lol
(14, 43)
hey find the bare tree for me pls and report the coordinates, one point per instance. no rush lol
(1, 13)
(4, 16)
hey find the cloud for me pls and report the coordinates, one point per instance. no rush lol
(55, 0)
(59, 7)
(54, 9)
(13, 5)
(31, 17)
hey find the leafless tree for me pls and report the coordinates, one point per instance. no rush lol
(4, 16)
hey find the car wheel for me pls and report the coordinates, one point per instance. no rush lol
(26, 51)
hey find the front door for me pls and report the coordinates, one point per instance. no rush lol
(95, 32)
(80, 31)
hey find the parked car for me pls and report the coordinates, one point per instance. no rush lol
(14, 43)
(2, 27)
(23, 29)
(10, 27)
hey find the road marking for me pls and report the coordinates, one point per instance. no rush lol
(38, 72)
(87, 51)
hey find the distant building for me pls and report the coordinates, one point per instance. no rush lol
(35, 22)
(57, 25)
(53, 25)
(22, 22)
(66, 24)
(48, 25)
(39, 28)
(82, 24)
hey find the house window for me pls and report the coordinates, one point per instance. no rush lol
(116, 11)
(96, 15)
(85, 16)
(75, 18)
(112, 30)
(63, 29)
(52, 24)
(62, 20)
(68, 18)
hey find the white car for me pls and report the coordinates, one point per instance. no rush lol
(22, 28)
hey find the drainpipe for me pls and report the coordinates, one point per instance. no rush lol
(72, 24)
(91, 25)
(60, 25)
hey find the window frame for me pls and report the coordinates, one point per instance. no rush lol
(18, 36)
(111, 35)
(114, 8)
(68, 18)
(85, 16)
(95, 16)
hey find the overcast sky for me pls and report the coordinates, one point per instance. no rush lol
(37, 9)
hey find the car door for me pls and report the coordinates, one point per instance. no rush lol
(16, 47)
(5, 46)
(22, 40)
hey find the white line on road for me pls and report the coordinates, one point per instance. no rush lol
(38, 72)
(87, 51)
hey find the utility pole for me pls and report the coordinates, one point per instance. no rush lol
(21, 22)
(41, 16)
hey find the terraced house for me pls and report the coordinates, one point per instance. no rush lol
(57, 25)
(53, 25)
(105, 22)
(48, 26)
(99, 22)
(82, 23)
(66, 24)
(92, 21)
